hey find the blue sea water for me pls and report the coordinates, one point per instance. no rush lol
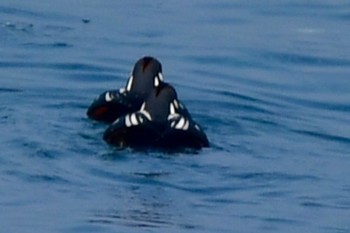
(269, 81)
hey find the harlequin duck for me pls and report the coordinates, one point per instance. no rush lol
(161, 122)
(146, 75)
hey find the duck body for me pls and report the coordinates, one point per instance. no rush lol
(162, 122)
(109, 105)
(146, 113)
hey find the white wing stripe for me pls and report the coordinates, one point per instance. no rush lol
(146, 114)
(176, 104)
(134, 119)
(127, 121)
(186, 126)
(172, 109)
(180, 124)
(172, 116)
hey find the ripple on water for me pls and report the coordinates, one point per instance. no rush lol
(49, 45)
(9, 90)
(287, 58)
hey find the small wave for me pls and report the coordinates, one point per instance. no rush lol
(47, 178)
(299, 59)
(273, 176)
(320, 104)
(324, 136)
(281, 220)
(16, 11)
(10, 90)
(58, 28)
(226, 61)
(49, 45)
(18, 26)
(54, 66)
(134, 218)
(151, 174)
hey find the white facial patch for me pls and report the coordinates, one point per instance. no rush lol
(108, 97)
(156, 81)
(131, 79)
(160, 76)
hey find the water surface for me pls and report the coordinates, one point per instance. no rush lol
(268, 81)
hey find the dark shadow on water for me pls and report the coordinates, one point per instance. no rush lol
(305, 60)
(9, 90)
(324, 136)
(58, 45)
